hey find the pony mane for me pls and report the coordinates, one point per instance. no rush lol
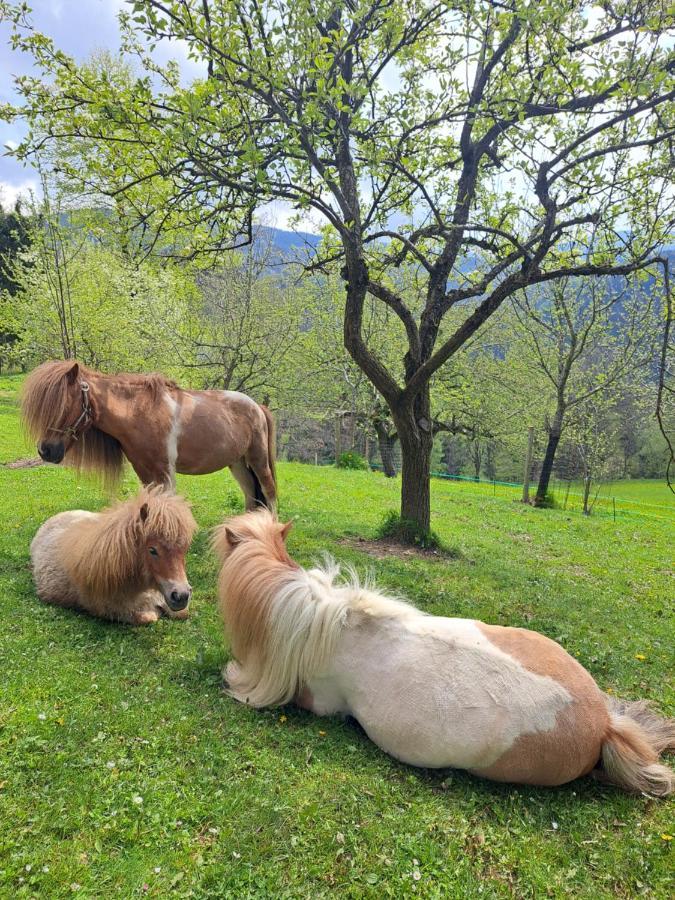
(283, 622)
(104, 555)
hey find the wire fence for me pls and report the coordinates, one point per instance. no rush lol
(564, 496)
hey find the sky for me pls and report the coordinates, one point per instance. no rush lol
(80, 27)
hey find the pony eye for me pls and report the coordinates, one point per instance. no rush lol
(153, 551)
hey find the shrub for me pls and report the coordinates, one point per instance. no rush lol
(351, 460)
(405, 531)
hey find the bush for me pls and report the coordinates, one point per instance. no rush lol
(351, 460)
(405, 531)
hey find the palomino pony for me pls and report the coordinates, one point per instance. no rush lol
(95, 420)
(504, 703)
(126, 563)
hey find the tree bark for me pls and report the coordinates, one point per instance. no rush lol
(417, 440)
(587, 492)
(385, 442)
(549, 457)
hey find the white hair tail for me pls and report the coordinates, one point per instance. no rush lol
(630, 752)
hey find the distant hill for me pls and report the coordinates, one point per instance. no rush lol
(288, 243)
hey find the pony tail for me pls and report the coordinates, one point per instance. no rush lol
(660, 731)
(630, 756)
(271, 441)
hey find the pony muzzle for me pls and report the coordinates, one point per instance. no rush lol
(51, 452)
(177, 596)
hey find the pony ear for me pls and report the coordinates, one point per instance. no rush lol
(73, 373)
(285, 529)
(231, 537)
(143, 512)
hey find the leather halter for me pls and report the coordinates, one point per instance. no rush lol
(85, 418)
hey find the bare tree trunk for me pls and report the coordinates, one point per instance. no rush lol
(417, 440)
(386, 441)
(549, 457)
(477, 455)
(587, 490)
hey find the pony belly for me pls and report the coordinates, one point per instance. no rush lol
(432, 700)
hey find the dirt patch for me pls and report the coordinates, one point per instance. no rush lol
(384, 549)
(25, 463)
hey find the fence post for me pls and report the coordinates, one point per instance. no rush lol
(528, 464)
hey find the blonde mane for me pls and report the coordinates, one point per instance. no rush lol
(47, 402)
(104, 555)
(283, 622)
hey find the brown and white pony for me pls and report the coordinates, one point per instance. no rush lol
(96, 420)
(504, 703)
(126, 563)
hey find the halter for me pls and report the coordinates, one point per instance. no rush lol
(85, 418)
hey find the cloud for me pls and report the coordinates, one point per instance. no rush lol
(280, 214)
(10, 193)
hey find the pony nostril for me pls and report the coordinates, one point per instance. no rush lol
(175, 596)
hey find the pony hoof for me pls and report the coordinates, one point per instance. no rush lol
(147, 617)
(230, 674)
(180, 614)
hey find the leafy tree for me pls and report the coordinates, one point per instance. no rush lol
(15, 236)
(15, 230)
(473, 138)
(583, 337)
(237, 330)
(76, 297)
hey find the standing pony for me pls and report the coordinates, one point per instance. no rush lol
(96, 420)
(126, 563)
(504, 703)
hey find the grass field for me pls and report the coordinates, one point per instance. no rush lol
(126, 772)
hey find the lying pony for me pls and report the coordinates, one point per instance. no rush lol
(504, 703)
(126, 563)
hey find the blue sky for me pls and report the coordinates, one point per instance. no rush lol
(78, 27)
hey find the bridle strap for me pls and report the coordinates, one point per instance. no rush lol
(85, 418)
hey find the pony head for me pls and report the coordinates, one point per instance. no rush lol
(56, 408)
(165, 527)
(60, 415)
(257, 527)
(136, 545)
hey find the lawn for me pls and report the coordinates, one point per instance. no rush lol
(126, 772)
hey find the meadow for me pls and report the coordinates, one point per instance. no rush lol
(126, 772)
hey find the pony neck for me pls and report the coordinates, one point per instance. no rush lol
(283, 623)
(111, 398)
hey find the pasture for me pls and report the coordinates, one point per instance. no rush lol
(125, 771)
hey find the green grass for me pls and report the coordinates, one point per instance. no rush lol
(126, 772)
(632, 498)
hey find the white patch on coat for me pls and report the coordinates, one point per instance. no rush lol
(172, 438)
(435, 692)
(237, 395)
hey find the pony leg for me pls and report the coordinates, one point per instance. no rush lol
(146, 608)
(246, 481)
(264, 483)
(266, 489)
